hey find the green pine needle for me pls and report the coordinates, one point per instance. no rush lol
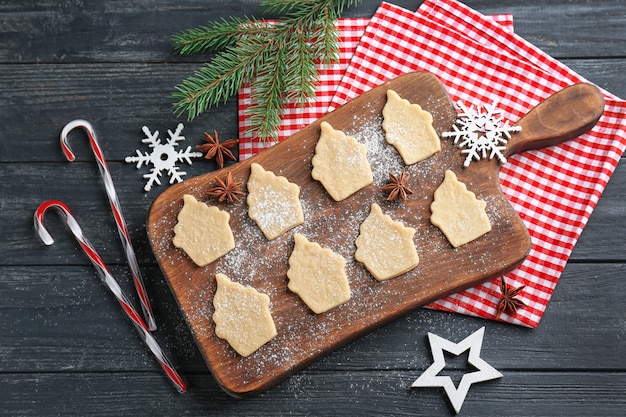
(279, 60)
(216, 36)
(302, 76)
(218, 80)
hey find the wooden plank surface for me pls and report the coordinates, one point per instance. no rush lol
(370, 394)
(113, 31)
(42, 307)
(66, 349)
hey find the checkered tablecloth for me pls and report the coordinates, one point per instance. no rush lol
(480, 59)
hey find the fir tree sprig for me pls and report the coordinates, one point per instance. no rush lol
(278, 59)
(217, 35)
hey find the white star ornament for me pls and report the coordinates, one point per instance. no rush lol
(456, 395)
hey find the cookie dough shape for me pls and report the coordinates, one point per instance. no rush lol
(409, 129)
(317, 275)
(385, 246)
(457, 212)
(203, 232)
(273, 202)
(340, 163)
(242, 316)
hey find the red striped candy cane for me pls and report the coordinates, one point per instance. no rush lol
(115, 208)
(109, 281)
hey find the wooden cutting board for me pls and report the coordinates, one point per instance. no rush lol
(303, 336)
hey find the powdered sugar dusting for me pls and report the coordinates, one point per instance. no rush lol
(273, 202)
(273, 212)
(261, 263)
(382, 157)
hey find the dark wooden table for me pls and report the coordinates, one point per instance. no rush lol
(67, 349)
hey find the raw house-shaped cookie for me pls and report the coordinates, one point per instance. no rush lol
(242, 316)
(273, 202)
(317, 275)
(457, 212)
(385, 246)
(203, 232)
(409, 129)
(340, 163)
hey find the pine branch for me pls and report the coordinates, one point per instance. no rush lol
(268, 95)
(219, 35)
(220, 79)
(282, 7)
(303, 76)
(330, 39)
(279, 60)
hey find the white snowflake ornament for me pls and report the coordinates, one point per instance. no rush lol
(482, 132)
(163, 156)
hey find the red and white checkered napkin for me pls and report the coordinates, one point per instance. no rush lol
(296, 117)
(555, 189)
(480, 59)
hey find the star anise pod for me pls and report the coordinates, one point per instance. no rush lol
(216, 149)
(397, 186)
(226, 190)
(508, 303)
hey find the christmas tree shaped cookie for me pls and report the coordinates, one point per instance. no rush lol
(317, 275)
(457, 212)
(203, 232)
(409, 129)
(273, 202)
(242, 316)
(340, 163)
(385, 246)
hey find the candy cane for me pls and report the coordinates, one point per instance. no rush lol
(109, 281)
(115, 208)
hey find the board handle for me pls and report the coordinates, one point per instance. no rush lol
(565, 115)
